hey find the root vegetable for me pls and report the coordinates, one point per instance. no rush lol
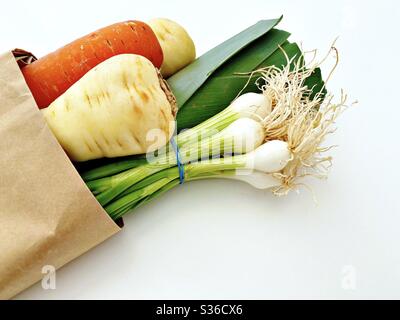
(178, 47)
(50, 76)
(109, 112)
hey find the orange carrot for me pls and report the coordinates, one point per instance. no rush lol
(49, 77)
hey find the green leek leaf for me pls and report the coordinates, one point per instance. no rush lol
(186, 82)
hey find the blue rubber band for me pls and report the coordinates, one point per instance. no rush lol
(181, 166)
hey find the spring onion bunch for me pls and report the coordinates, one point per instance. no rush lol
(269, 140)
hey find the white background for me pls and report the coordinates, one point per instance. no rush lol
(223, 239)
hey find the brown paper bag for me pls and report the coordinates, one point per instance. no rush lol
(47, 214)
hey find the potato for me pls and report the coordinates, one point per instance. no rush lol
(110, 111)
(178, 47)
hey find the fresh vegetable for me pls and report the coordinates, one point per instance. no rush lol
(208, 85)
(177, 46)
(285, 130)
(110, 187)
(111, 110)
(270, 157)
(227, 81)
(49, 77)
(250, 105)
(187, 81)
(234, 77)
(258, 180)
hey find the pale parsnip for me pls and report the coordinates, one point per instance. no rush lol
(109, 112)
(177, 45)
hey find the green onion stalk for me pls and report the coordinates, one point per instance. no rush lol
(214, 137)
(269, 157)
